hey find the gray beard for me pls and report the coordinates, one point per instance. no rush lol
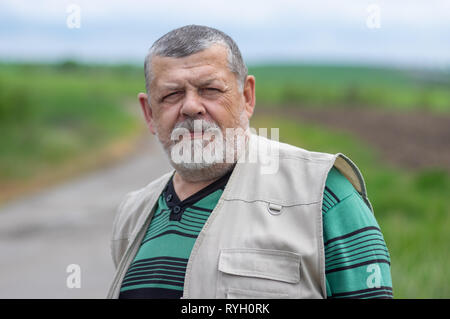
(199, 171)
(205, 171)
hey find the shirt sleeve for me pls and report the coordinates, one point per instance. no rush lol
(357, 261)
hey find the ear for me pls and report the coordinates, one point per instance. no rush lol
(143, 100)
(249, 95)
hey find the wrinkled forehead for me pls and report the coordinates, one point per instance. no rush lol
(203, 65)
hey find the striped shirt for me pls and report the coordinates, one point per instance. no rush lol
(357, 262)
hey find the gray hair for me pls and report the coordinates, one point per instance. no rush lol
(192, 39)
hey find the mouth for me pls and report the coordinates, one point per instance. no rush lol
(201, 135)
(196, 135)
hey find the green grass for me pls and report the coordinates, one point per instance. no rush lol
(352, 86)
(50, 115)
(411, 207)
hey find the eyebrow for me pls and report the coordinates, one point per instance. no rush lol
(207, 81)
(175, 86)
(170, 86)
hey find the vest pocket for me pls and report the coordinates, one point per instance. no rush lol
(258, 273)
(233, 293)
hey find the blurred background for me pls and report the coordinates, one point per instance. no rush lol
(370, 79)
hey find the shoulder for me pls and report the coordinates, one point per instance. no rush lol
(344, 210)
(133, 205)
(337, 187)
(357, 260)
(284, 150)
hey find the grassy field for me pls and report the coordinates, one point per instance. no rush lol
(411, 207)
(352, 86)
(51, 115)
(54, 115)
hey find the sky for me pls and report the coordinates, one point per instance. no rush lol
(394, 32)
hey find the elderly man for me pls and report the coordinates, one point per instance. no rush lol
(224, 227)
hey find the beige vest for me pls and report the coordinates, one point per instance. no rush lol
(264, 237)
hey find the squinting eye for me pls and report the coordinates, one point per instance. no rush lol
(173, 95)
(211, 90)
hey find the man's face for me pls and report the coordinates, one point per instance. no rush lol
(199, 86)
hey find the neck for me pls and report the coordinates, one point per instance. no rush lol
(185, 188)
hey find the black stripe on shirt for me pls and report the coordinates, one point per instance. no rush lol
(377, 234)
(355, 244)
(332, 194)
(151, 293)
(352, 260)
(361, 293)
(158, 280)
(142, 268)
(169, 258)
(352, 233)
(348, 256)
(373, 261)
(171, 232)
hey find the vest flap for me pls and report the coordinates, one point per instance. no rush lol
(262, 263)
(343, 166)
(352, 173)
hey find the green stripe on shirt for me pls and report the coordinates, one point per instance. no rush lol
(357, 261)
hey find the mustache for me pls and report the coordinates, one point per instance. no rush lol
(194, 125)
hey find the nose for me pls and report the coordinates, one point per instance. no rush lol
(192, 106)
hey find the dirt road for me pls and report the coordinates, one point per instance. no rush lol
(42, 234)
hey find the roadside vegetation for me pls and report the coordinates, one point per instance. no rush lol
(60, 120)
(71, 117)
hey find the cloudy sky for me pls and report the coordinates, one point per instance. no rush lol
(392, 32)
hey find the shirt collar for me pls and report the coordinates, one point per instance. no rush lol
(172, 198)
